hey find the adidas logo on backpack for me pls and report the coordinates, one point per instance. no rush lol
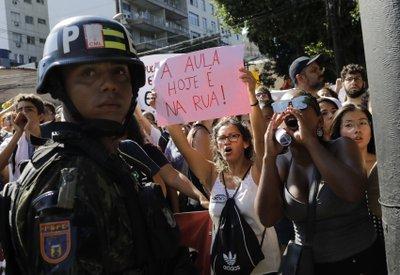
(230, 260)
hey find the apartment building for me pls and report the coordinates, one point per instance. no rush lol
(203, 21)
(24, 26)
(156, 23)
(153, 23)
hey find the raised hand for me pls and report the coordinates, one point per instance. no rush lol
(303, 135)
(19, 122)
(247, 77)
(272, 147)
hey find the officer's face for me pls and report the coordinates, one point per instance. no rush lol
(100, 90)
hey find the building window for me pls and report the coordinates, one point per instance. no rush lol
(194, 3)
(29, 19)
(28, 1)
(204, 23)
(15, 18)
(42, 40)
(194, 34)
(193, 19)
(20, 59)
(203, 4)
(40, 1)
(30, 40)
(17, 38)
(212, 9)
(41, 21)
(213, 26)
(32, 59)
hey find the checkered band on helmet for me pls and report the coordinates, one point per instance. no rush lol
(88, 39)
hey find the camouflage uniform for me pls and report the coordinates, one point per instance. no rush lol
(76, 209)
(70, 214)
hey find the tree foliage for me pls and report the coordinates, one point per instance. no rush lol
(267, 74)
(286, 29)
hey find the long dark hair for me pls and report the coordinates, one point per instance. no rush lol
(220, 163)
(337, 122)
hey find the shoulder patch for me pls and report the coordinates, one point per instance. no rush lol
(55, 241)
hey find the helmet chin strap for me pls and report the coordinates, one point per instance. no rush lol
(95, 127)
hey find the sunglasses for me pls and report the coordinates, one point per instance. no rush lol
(299, 103)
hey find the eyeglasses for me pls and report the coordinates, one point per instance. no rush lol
(231, 138)
(261, 96)
(299, 103)
(351, 78)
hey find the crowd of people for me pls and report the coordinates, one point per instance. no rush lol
(67, 204)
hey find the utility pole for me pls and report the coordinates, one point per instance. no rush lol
(380, 21)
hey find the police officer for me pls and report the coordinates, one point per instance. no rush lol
(76, 209)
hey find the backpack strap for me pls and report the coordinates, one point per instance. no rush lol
(263, 236)
(237, 188)
(227, 195)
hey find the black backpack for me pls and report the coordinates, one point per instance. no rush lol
(236, 249)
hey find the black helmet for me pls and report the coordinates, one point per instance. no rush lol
(87, 39)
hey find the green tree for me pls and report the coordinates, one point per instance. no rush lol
(267, 74)
(284, 30)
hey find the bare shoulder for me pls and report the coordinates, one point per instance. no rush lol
(342, 144)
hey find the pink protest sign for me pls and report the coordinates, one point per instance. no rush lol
(201, 85)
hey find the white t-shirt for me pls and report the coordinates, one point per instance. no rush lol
(155, 135)
(23, 153)
(244, 200)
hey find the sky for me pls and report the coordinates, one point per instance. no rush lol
(61, 9)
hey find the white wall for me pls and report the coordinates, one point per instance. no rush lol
(61, 9)
(4, 35)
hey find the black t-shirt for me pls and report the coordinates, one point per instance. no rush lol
(133, 149)
(155, 154)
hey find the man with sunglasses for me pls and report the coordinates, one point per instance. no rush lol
(306, 74)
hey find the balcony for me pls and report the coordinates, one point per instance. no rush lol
(148, 44)
(172, 8)
(147, 22)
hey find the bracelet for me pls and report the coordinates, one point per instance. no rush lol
(254, 104)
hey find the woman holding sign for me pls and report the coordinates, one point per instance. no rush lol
(235, 172)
